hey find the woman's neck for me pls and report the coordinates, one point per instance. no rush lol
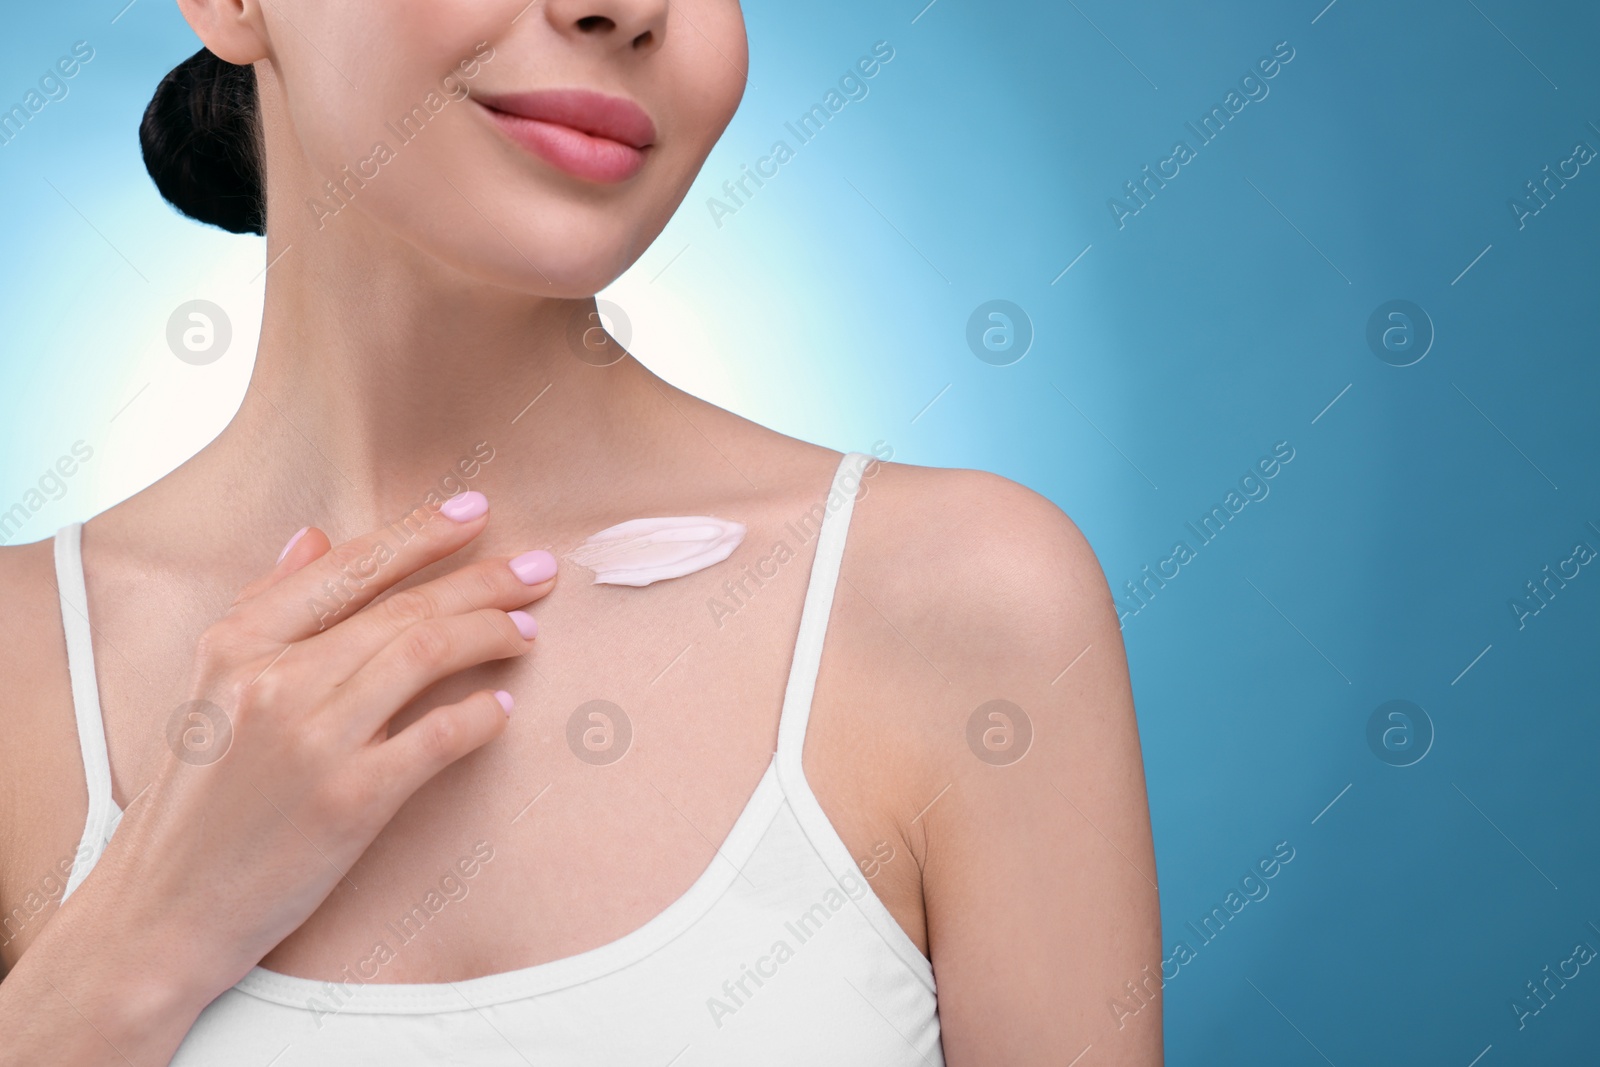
(378, 386)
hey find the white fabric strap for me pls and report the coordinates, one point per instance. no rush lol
(814, 615)
(797, 702)
(85, 702)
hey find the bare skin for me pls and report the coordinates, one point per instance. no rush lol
(380, 367)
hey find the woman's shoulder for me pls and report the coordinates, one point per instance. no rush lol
(41, 786)
(974, 542)
(993, 722)
(979, 618)
(974, 662)
(960, 591)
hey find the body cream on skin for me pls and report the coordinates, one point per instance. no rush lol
(641, 551)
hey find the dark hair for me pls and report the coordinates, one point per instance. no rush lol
(202, 144)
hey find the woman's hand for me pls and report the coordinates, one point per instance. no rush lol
(282, 769)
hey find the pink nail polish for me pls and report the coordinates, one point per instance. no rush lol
(505, 700)
(526, 626)
(295, 540)
(534, 567)
(465, 507)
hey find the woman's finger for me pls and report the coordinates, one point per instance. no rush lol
(333, 586)
(501, 583)
(424, 654)
(304, 546)
(402, 763)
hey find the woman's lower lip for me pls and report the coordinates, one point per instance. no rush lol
(596, 159)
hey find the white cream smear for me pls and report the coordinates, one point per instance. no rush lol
(641, 551)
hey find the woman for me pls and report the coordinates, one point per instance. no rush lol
(280, 814)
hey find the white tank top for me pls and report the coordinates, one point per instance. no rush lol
(779, 953)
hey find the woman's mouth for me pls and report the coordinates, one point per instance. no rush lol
(586, 134)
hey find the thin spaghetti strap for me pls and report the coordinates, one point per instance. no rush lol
(797, 700)
(103, 811)
(802, 685)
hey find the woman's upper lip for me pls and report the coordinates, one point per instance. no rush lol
(596, 114)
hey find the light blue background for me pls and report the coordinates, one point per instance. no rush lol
(1226, 316)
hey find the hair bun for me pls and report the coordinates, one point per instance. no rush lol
(202, 145)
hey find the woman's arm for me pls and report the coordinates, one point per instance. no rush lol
(1039, 873)
(110, 979)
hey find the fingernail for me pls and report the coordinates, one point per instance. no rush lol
(505, 700)
(526, 626)
(465, 507)
(534, 567)
(292, 542)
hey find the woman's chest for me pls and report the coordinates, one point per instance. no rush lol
(643, 727)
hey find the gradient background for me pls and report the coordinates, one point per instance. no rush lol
(1230, 314)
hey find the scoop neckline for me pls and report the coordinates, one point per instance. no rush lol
(330, 996)
(782, 783)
